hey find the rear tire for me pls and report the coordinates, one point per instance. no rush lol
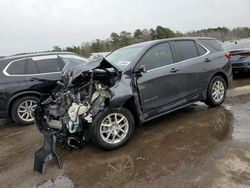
(112, 128)
(216, 92)
(23, 108)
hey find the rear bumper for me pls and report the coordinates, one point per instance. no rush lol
(240, 67)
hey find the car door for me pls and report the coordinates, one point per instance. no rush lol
(192, 66)
(161, 84)
(43, 72)
(13, 80)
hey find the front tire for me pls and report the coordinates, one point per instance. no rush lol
(216, 92)
(23, 108)
(112, 128)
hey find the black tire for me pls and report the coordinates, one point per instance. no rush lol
(211, 101)
(14, 109)
(96, 124)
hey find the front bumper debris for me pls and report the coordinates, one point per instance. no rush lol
(46, 153)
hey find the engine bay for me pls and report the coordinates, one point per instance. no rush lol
(65, 116)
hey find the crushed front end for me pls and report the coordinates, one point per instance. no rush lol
(64, 116)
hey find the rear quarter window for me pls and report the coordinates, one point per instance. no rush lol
(16, 67)
(200, 49)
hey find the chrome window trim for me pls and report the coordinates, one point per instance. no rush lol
(73, 56)
(37, 58)
(183, 61)
(38, 74)
(7, 66)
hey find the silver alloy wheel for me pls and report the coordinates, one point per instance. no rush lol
(114, 128)
(26, 109)
(218, 91)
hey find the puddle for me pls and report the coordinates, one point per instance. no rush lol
(157, 149)
(241, 114)
(239, 91)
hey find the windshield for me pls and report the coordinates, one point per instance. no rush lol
(121, 58)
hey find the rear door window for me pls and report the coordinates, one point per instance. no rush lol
(158, 56)
(47, 64)
(185, 49)
(16, 67)
(31, 67)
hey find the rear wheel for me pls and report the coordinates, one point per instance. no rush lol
(112, 129)
(216, 91)
(23, 108)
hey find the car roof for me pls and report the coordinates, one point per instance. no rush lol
(152, 42)
(35, 54)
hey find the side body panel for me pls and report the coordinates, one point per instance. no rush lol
(158, 89)
(9, 86)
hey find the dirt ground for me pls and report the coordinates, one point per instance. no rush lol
(193, 147)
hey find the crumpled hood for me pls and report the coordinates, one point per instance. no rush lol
(72, 71)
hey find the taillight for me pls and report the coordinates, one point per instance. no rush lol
(245, 54)
(228, 55)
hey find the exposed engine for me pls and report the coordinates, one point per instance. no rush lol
(65, 116)
(72, 110)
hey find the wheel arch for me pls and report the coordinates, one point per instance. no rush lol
(18, 95)
(132, 107)
(221, 74)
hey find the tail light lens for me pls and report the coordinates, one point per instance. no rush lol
(245, 54)
(240, 53)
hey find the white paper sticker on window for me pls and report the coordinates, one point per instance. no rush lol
(123, 63)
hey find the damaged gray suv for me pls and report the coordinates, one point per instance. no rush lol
(105, 99)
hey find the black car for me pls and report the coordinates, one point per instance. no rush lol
(240, 59)
(24, 78)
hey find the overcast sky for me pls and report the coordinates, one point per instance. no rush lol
(38, 25)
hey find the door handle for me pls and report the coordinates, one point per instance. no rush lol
(207, 60)
(33, 79)
(173, 70)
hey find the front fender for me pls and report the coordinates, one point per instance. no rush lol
(121, 92)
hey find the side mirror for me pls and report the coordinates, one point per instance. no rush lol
(143, 69)
(140, 70)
